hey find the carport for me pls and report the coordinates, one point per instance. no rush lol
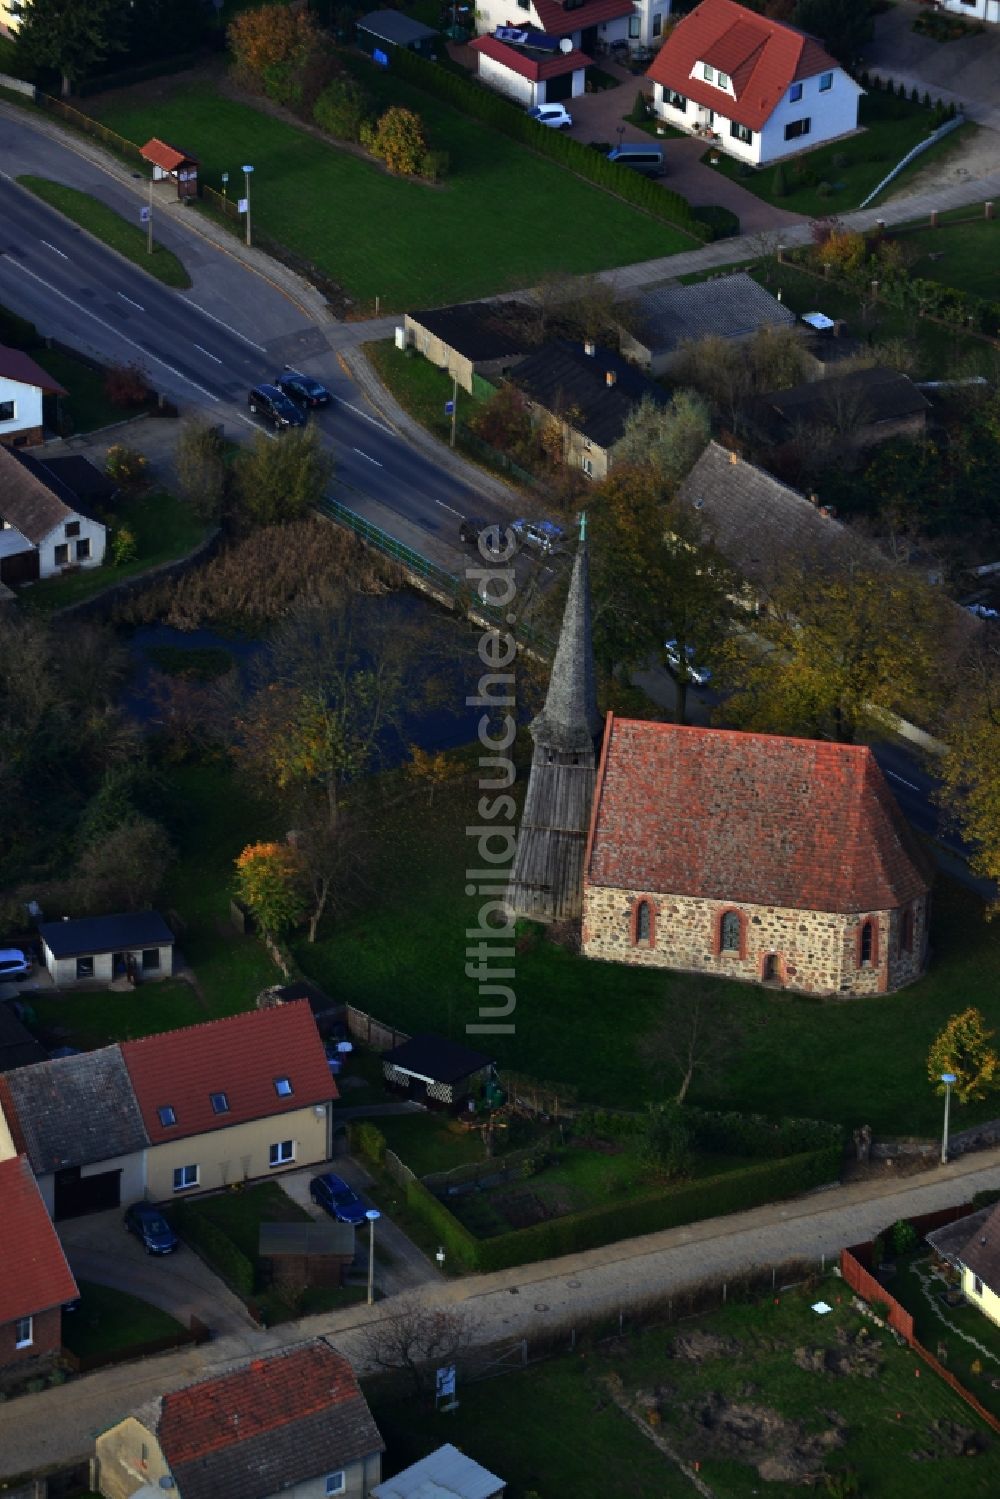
(74, 1193)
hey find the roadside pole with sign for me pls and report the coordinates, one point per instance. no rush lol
(444, 1389)
(451, 409)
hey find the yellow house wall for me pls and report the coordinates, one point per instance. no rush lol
(238, 1153)
(988, 1303)
(120, 1469)
(7, 1148)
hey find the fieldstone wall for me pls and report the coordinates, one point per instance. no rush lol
(813, 952)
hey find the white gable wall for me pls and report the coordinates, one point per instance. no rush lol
(50, 565)
(490, 14)
(27, 401)
(831, 114)
(980, 10)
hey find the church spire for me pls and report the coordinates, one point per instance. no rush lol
(546, 880)
(570, 720)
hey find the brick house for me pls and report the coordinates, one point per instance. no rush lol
(757, 89)
(752, 856)
(294, 1422)
(36, 1281)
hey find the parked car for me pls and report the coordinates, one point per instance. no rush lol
(699, 675)
(14, 964)
(544, 535)
(646, 160)
(303, 389)
(470, 531)
(149, 1225)
(270, 402)
(332, 1193)
(554, 115)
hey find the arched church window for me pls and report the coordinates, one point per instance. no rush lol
(731, 932)
(867, 941)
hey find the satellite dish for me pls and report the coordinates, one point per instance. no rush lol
(566, 45)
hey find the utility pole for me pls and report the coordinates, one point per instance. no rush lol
(149, 221)
(454, 409)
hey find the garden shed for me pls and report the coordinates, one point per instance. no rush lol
(307, 1254)
(102, 948)
(433, 1070)
(389, 28)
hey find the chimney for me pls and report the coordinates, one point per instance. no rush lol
(813, 499)
(734, 457)
(610, 378)
(590, 348)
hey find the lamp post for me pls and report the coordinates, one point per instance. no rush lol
(246, 196)
(440, 1257)
(149, 217)
(373, 1215)
(225, 189)
(948, 1078)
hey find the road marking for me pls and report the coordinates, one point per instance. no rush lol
(448, 507)
(376, 461)
(123, 337)
(902, 781)
(359, 412)
(55, 250)
(130, 302)
(257, 426)
(235, 331)
(206, 353)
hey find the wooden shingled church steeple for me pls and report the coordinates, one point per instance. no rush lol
(546, 881)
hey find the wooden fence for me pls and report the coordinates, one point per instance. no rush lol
(372, 1032)
(901, 1321)
(196, 1333)
(397, 1169)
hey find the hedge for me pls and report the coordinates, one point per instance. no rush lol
(509, 118)
(730, 1132)
(217, 1247)
(711, 1197)
(371, 1142)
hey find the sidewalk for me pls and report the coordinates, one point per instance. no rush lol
(59, 1425)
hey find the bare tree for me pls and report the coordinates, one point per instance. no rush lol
(696, 1034)
(415, 1339)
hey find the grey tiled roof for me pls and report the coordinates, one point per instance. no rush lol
(981, 1251)
(390, 26)
(291, 1454)
(94, 934)
(878, 394)
(758, 523)
(726, 307)
(478, 330)
(569, 383)
(76, 1110)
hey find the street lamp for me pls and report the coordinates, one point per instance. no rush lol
(225, 187)
(621, 135)
(246, 196)
(373, 1215)
(440, 1257)
(948, 1078)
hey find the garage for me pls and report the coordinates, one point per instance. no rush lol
(75, 1193)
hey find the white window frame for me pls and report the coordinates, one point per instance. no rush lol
(708, 72)
(336, 1483)
(24, 1332)
(722, 80)
(634, 28)
(182, 1171)
(277, 1155)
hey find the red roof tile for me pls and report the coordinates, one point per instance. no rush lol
(35, 1276)
(16, 365)
(241, 1057)
(761, 57)
(165, 156)
(557, 21)
(530, 67)
(758, 818)
(259, 1397)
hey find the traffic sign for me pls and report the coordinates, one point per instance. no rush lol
(145, 214)
(449, 407)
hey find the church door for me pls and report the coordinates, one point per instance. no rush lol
(770, 970)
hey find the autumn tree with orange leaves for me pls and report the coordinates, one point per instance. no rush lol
(269, 883)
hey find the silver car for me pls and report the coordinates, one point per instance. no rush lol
(14, 964)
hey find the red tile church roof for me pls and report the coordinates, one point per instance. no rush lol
(754, 818)
(761, 57)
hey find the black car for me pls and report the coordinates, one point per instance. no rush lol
(149, 1225)
(303, 389)
(494, 542)
(272, 403)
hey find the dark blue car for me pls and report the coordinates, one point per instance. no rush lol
(148, 1224)
(338, 1199)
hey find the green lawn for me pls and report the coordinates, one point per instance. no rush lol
(164, 527)
(420, 387)
(578, 1021)
(430, 1142)
(503, 218)
(101, 221)
(965, 255)
(111, 1322)
(966, 1336)
(850, 168)
(98, 1017)
(568, 1428)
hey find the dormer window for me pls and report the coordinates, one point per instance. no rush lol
(165, 1114)
(707, 73)
(220, 1103)
(722, 79)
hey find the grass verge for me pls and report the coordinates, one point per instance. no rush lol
(502, 218)
(108, 1322)
(101, 221)
(164, 528)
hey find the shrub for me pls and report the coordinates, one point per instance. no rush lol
(666, 1140)
(640, 108)
(904, 1237)
(779, 184)
(435, 165)
(721, 222)
(839, 159)
(926, 100)
(124, 547)
(126, 466)
(915, 94)
(126, 385)
(367, 132)
(825, 189)
(371, 1142)
(342, 108)
(400, 141)
(202, 474)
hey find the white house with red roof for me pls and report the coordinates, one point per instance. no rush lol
(23, 383)
(757, 89)
(752, 856)
(536, 69)
(36, 1282)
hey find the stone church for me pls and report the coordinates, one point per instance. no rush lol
(775, 860)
